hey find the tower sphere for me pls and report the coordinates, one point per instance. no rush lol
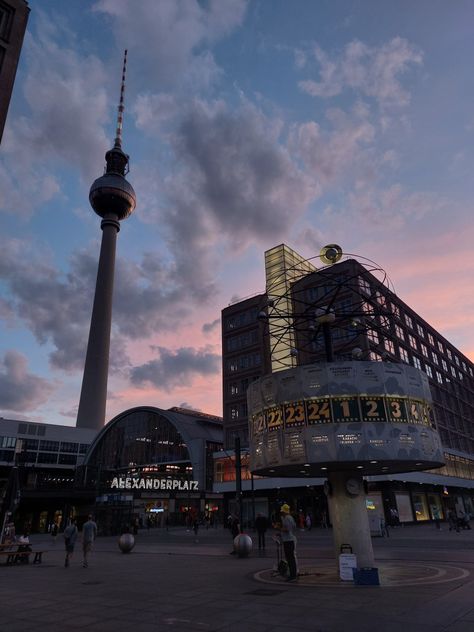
(112, 194)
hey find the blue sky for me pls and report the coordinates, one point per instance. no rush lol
(248, 124)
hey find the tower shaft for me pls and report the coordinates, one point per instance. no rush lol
(92, 403)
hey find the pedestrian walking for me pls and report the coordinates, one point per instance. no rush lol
(89, 534)
(54, 532)
(288, 538)
(70, 537)
(196, 528)
(261, 524)
(308, 521)
(453, 521)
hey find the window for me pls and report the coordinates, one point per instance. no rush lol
(234, 412)
(375, 357)
(384, 322)
(30, 444)
(424, 350)
(395, 310)
(416, 362)
(399, 332)
(83, 448)
(7, 442)
(49, 446)
(412, 341)
(431, 340)
(439, 377)
(470, 372)
(380, 298)
(464, 366)
(409, 321)
(67, 459)
(435, 357)
(428, 370)
(420, 330)
(440, 347)
(234, 389)
(364, 286)
(6, 20)
(389, 346)
(450, 355)
(453, 371)
(403, 355)
(47, 457)
(373, 336)
(32, 429)
(67, 446)
(22, 428)
(456, 359)
(444, 364)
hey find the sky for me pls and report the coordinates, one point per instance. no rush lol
(248, 124)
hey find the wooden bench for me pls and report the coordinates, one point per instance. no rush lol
(13, 557)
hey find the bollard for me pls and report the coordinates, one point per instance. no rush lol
(242, 544)
(126, 542)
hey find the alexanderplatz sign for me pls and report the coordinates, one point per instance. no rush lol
(151, 483)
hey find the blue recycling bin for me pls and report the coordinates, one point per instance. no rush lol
(366, 576)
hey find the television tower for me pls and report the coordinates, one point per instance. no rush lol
(113, 199)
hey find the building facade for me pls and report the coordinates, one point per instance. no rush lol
(368, 322)
(147, 466)
(40, 461)
(13, 21)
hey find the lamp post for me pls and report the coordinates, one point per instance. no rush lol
(238, 480)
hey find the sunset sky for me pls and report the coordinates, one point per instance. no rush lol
(248, 124)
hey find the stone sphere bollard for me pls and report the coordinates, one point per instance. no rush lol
(126, 542)
(242, 544)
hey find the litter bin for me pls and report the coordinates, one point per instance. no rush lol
(366, 576)
(347, 562)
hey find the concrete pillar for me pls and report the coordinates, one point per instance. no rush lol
(349, 517)
(91, 412)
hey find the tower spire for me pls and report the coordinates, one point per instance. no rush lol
(121, 107)
(116, 159)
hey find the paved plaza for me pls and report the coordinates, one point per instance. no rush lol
(170, 581)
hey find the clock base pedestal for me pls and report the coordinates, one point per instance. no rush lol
(348, 514)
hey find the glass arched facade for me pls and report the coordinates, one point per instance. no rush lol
(142, 440)
(153, 467)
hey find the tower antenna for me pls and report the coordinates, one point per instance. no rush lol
(121, 107)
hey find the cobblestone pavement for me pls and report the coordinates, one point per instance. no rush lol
(172, 582)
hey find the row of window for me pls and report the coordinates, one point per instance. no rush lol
(244, 362)
(241, 319)
(39, 457)
(47, 446)
(246, 339)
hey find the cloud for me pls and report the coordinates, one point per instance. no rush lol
(208, 328)
(370, 71)
(176, 368)
(19, 390)
(239, 177)
(66, 95)
(341, 151)
(149, 297)
(168, 38)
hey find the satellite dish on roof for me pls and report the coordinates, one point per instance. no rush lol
(330, 253)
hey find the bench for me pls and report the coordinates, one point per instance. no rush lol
(13, 557)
